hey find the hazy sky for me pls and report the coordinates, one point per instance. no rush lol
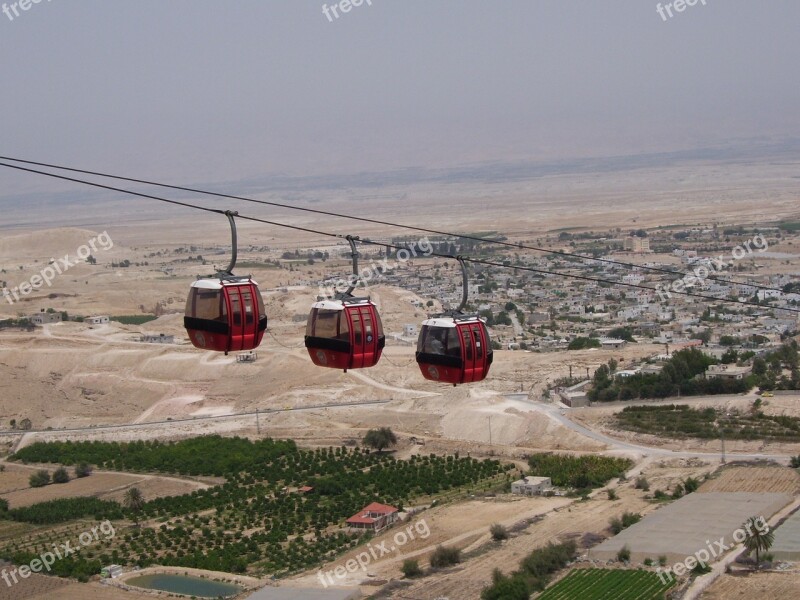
(193, 90)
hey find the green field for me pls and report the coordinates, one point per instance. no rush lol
(133, 319)
(604, 584)
(682, 421)
(578, 472)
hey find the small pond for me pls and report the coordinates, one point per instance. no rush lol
(183, 584)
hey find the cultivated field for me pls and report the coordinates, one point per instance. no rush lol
(602, 584)
(34, 587)
(107, 486)
(754, 479)
(773, 586)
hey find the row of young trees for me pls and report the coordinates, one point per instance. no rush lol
(66, 509)
(43, 477)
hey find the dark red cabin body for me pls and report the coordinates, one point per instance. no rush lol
(225, 315)
(345, 334)
(454, 349)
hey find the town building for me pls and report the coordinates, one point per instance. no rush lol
(728, 372)
(637, 244)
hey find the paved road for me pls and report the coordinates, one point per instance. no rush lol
(193, 419)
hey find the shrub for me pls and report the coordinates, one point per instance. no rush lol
(660, 495)
(690, 485)
(411, 568)
(499, 532)
(701, 569)
(642, 483)
(39, 479)
(612, 495)
(627, 519)
(505, 587)
(648, 562)
(60, 475)
(445, 556)
(624, 554)
(83, 470)
(380, 438)
(662, 561)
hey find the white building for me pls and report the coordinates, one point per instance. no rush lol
(532, 486)
(728, 372)
(612, 343)
(111, 571)
(98, 320)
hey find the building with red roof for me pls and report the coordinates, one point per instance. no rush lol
(374, 517)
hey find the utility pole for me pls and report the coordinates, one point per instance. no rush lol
(722, 436)
(570, 372)
(490, 430)
(258, 423)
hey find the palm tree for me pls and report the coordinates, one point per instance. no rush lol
(759, 536)
(134, 501)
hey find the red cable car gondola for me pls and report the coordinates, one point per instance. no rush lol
(454, 347)
(345, 332)
(225, 313)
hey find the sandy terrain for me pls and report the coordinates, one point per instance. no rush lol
(785, 586)
(106, 379)
(38, 587)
